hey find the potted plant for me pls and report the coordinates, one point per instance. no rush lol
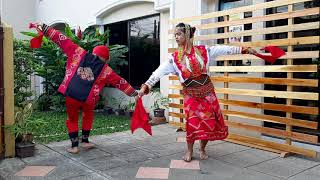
(130, 108)
(23, 130)
(158, 106)
(120, 107)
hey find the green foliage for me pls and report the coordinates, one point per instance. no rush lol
(117, 57)
(24, 126)
(52, 61)
(55, 128)
(24, 65)
(159, 100)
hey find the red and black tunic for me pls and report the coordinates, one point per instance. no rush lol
(86, 75)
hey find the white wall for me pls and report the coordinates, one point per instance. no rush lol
(129, 11)
(18, 14)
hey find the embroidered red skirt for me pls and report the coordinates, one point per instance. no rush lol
(204, 118)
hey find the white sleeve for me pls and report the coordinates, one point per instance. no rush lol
(218, 50)
(164, 69)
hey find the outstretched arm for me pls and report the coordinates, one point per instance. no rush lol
(164, 69)
(60, 39)
(218, 50)
(115, 80)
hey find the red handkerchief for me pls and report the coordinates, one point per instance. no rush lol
(275, 51)
(140, 118)
(36, 41)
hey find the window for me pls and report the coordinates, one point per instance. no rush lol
(142, 36)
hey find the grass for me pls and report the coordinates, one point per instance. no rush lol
(56, 130)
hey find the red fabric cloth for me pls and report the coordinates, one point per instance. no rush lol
(204, 118)
(73, 107)
(140, 118)
(275, 51)
(102, 51)
(36, 41)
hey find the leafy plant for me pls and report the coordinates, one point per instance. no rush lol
(24, 126)
(159, 100)
(24, 65)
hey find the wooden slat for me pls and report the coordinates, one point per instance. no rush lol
(265, 106)
(274, 68)
(177, 115)
(269, 144)
(175, 96)
(259, 143)
(274, 107)
(277, 42)
(260, 93)
(178, 125)
(275, 81)
(174, 105)
(270, 17)
(275, 132)
(274, 119)
(277, 29)
(289, 55)
(254, 7)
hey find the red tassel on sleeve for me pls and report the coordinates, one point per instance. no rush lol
(275, 51)
(140, 118)
(36, 41)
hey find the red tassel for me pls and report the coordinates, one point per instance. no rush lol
(140, 118)
(36, 41)
(275, 51)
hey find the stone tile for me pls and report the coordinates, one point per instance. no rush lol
(153, 173)
(220, 149)
(181, 139)
(181, 164)
(167, 149)
(138, 156)
(106, 163)
(114, 147)
(127, 172)
(310, 174)
(87, 154)
(69, 170)
(9, 166)
(248, 157)
(91, 176)
(218, 169)
(35, 171)
(284, 167)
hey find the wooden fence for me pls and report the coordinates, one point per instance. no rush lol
(300, 95)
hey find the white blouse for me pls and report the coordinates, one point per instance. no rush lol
(170, 66)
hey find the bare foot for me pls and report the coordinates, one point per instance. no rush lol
(203, 155)
(187, 157)
(73, 150)
(87, 145)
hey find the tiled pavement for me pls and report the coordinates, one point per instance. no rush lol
(123, 156)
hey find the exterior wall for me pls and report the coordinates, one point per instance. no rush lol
(18, 18)
(129, 11)
(8, 89)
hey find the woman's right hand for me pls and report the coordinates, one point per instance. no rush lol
(143, 90)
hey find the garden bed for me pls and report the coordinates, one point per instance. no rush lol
(56, 130)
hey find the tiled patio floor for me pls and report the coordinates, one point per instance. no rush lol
(123, 156)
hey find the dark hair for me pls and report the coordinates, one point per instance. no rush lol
(183, 25)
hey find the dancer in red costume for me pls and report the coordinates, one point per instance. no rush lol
(204, 120)
(86, 75)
